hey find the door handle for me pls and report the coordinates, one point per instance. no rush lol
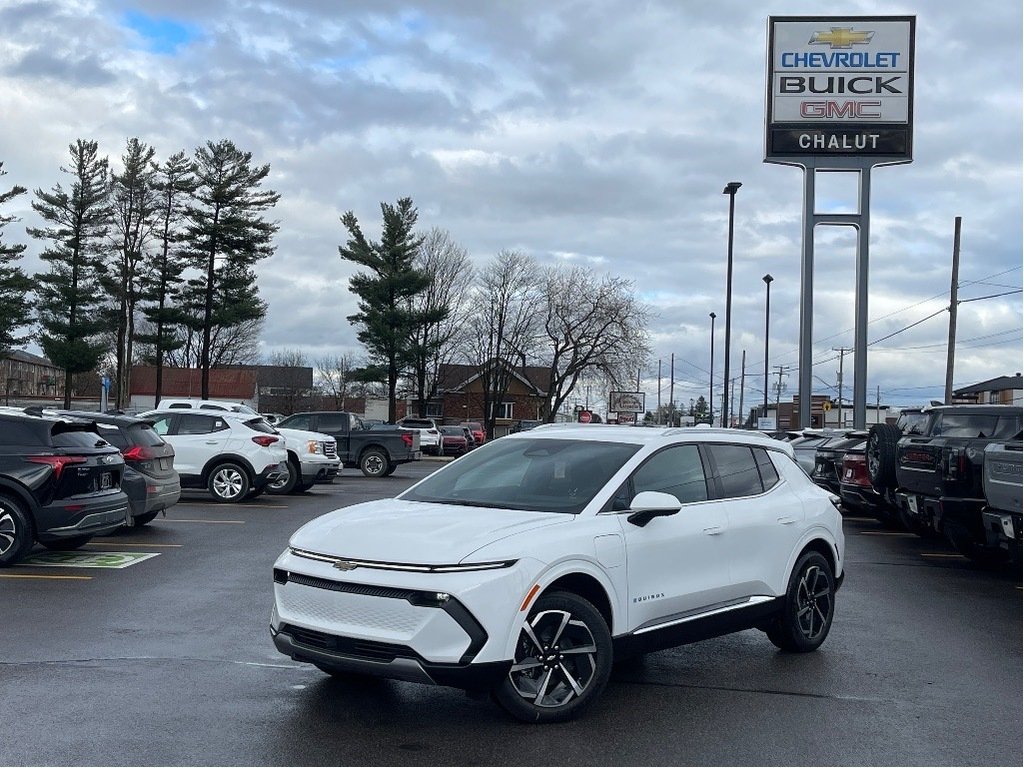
(786, 520)
(714, 530)
(211, 442)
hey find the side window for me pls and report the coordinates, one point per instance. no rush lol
(331, 422)
(162, 425)
(677, 470)
(769, 475)
(737, 471)
(298, 422)
(194, 424)
(187, 406)
(211, 407)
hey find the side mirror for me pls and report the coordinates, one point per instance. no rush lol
(648, 505)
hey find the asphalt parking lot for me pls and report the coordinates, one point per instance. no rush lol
(160, 654)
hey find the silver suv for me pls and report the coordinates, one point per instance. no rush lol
(430, 436)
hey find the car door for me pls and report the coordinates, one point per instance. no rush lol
(197, 438)
(765, 517)
(676, 564)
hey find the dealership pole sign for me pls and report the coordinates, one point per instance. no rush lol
(840, 98)
(840, 86)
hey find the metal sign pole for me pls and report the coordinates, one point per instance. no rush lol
(806, 297)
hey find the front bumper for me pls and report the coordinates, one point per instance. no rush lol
(318, 469)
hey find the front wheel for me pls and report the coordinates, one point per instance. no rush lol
(807, 610)
(562, 661)
(228, 482)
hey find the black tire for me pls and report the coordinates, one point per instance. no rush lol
(988, 557)
(66, 545)
(562, 662)
(287, 483)
(391, 469)
(809, 606)
(373, 463)
(228, 483)
(145, 519)
(16, 532)
(303, 487)
(880, 454)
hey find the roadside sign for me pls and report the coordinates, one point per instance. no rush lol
(626, 402)
(87, 559)
(585, 417)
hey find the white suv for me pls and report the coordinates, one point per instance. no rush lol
(431, 440)
(312, 456)
(230, 455)
(530, 564)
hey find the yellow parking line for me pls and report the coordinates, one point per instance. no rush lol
(211, 522)
(32, 576)
(106, 543)
(902, 534)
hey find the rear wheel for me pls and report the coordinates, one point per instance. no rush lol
(562, 662)
(16, 534)
(374, 463)
(64, 545)
(228, 482)
(807, 611)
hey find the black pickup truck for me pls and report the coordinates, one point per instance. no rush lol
(940, 473)
(376, 452)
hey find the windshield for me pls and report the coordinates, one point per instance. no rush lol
(546, 475)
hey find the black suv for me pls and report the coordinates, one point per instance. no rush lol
(940, 473)
(60, 485)
(150, 480)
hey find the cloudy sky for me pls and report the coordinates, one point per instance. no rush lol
(597, 132)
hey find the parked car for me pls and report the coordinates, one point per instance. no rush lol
(1002, 483)
(312, 456)
(60, 485)
(524, 425)
(828, 458)
(232, 456)
(376, 453)
(940, 473)
(806, 446)
(430, 434)
(150, 480)
(470, 438)
(855, 488)
(477, 429)
(880, 452)
(530, 565)
(454, 441)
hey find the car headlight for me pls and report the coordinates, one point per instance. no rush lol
(313, 446)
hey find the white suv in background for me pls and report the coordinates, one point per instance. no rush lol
(230, 455)
(431, 440)
(312, 456)
(532, 563)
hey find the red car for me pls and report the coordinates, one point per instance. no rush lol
(477, 429)
(454, 441)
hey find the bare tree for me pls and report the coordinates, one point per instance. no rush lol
(503, 324)
(287, 358)
(443, 308)
(593, 327)
(334, 377)
(229, 345)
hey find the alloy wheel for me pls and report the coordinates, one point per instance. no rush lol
(8, 530)
(556, 659)
(813, 602)
(228, 483)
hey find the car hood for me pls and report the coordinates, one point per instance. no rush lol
(413, 532)
(305, 434)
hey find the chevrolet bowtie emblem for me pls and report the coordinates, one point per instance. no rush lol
(841, 37)
(345, 565)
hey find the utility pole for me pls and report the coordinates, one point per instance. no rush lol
(743, 383)
(781, 370)
(842, 351)
(672, 391)
(657, 418)
(732, 401)
(952, 311)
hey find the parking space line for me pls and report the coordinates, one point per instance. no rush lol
(231, 506)
(901, 534)
(211, 522)
(33, 576)
(107, 543)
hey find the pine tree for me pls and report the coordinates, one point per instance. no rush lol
(175, 183)
(226, 237)
(15, 285)
(69, 293)
(385, 317)
(134, 202)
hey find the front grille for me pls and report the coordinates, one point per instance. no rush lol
(344, 586)
(348, 646)
(330, 449)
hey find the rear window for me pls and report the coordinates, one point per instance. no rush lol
(976, 425)
(456, 431)
(143, 434)
(75, 438)
(260, 425)
(417, 424)
(112, 434)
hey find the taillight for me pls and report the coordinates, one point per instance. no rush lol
(57, 462)
(137, 453)
(265, 440)
(407, 438)
(956, 465)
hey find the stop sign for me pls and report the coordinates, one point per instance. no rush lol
(585, 417)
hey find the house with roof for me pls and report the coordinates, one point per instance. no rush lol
(461, 395)
(1005, 390)
(24, 375)
(235, 384)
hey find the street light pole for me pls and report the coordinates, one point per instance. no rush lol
(711, 384)
(730, 190)
(767, 303)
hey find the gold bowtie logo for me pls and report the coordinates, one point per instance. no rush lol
(841, 37)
